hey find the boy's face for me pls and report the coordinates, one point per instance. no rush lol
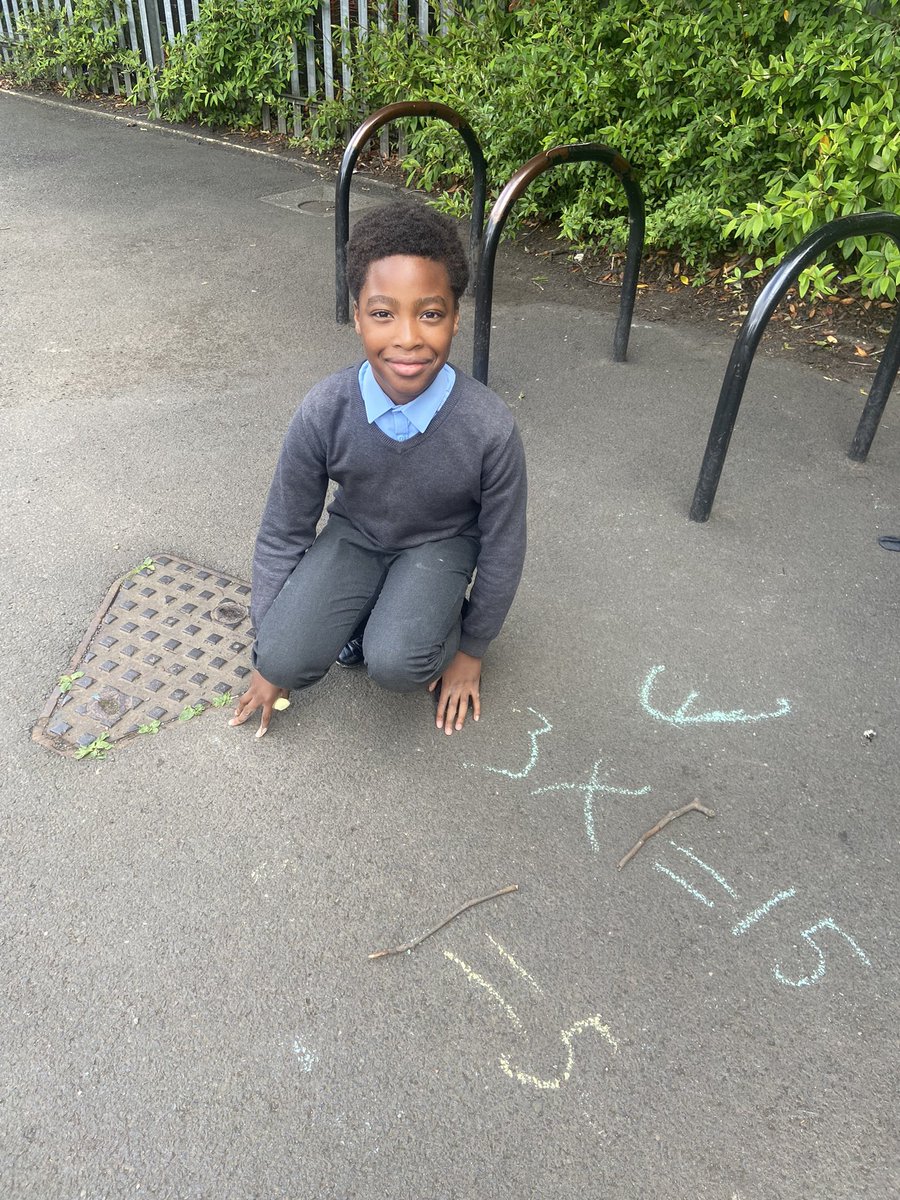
(406, 316)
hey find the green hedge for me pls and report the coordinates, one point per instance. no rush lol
(750, 123)
(235, 58)
(77, 52)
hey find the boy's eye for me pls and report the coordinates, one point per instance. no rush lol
(380, 312)
(433, 314)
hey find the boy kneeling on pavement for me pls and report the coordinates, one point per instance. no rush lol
(431, 484)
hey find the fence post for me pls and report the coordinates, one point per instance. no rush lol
(152, 33)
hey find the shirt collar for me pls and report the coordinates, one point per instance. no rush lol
(418, 412)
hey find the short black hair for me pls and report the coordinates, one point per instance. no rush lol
(405, 228)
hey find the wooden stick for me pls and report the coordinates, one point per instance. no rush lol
(513, 887)
(694, 806)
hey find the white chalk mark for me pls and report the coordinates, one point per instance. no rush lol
(723, 883)
(827, 923)
(590, 789)
(684, 883)
(758, 913)
(533, 735)
(480, 981)
(512, 962)
(681, 716)
(567, 1037)
(306, 1057)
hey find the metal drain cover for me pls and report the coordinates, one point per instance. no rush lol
(167, 639)
(319, 201)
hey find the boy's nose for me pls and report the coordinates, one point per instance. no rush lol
(406, 333)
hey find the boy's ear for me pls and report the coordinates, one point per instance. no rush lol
(456, 320)
(356, 317)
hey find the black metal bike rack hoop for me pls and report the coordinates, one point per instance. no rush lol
(372, 123)
(738, 369)
(580, 152)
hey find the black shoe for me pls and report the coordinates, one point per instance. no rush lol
(352, 654)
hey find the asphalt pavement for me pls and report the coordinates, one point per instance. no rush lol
(188, 1006)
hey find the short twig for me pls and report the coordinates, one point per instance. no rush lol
(513, 887)
(694, 806)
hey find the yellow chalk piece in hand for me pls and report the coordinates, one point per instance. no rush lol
(281, 704)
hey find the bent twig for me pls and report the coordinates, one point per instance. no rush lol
(694, 806)
(513, 887)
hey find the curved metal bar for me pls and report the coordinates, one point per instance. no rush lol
(580, 152)
(372, 123)
(865, 224)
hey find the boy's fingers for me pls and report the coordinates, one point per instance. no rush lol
(244, 709)
(455, 714)
(476, 706)
(264, 720)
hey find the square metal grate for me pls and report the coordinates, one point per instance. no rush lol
(167, 639)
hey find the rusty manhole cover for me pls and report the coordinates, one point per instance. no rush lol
(170, 640)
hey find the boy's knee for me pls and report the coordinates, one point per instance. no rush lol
(286, 665)
(396, 670)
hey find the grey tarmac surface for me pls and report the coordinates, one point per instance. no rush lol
(188, 1007)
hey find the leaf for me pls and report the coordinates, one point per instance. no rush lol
(858, 350)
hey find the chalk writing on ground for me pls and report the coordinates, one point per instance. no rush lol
(512, 962)
(480, 981)
(827, 923)
(683, 716)
(700, 890)
(305, 1057)
(567, 1036)
(533, 735)
(590, 789)
(759, 913)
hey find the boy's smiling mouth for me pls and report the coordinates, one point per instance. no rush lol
(407, 366)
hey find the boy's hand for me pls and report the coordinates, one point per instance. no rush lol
(262, 694)
(459, 685)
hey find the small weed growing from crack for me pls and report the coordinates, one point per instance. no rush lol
(191, 711)
(147, 565)
(223, 700)
(150, 726)
(66, 681)
(96, 749)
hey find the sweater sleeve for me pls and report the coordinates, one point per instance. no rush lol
(502, 554)
(295, 503)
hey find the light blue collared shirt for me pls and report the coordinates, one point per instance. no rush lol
(402, 421)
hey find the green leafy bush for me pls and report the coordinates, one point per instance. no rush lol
(749, 124)
(235, 58)
(79, 53)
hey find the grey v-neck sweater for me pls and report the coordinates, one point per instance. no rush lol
(465, 475)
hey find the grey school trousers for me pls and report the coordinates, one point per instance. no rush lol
(412, 599)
